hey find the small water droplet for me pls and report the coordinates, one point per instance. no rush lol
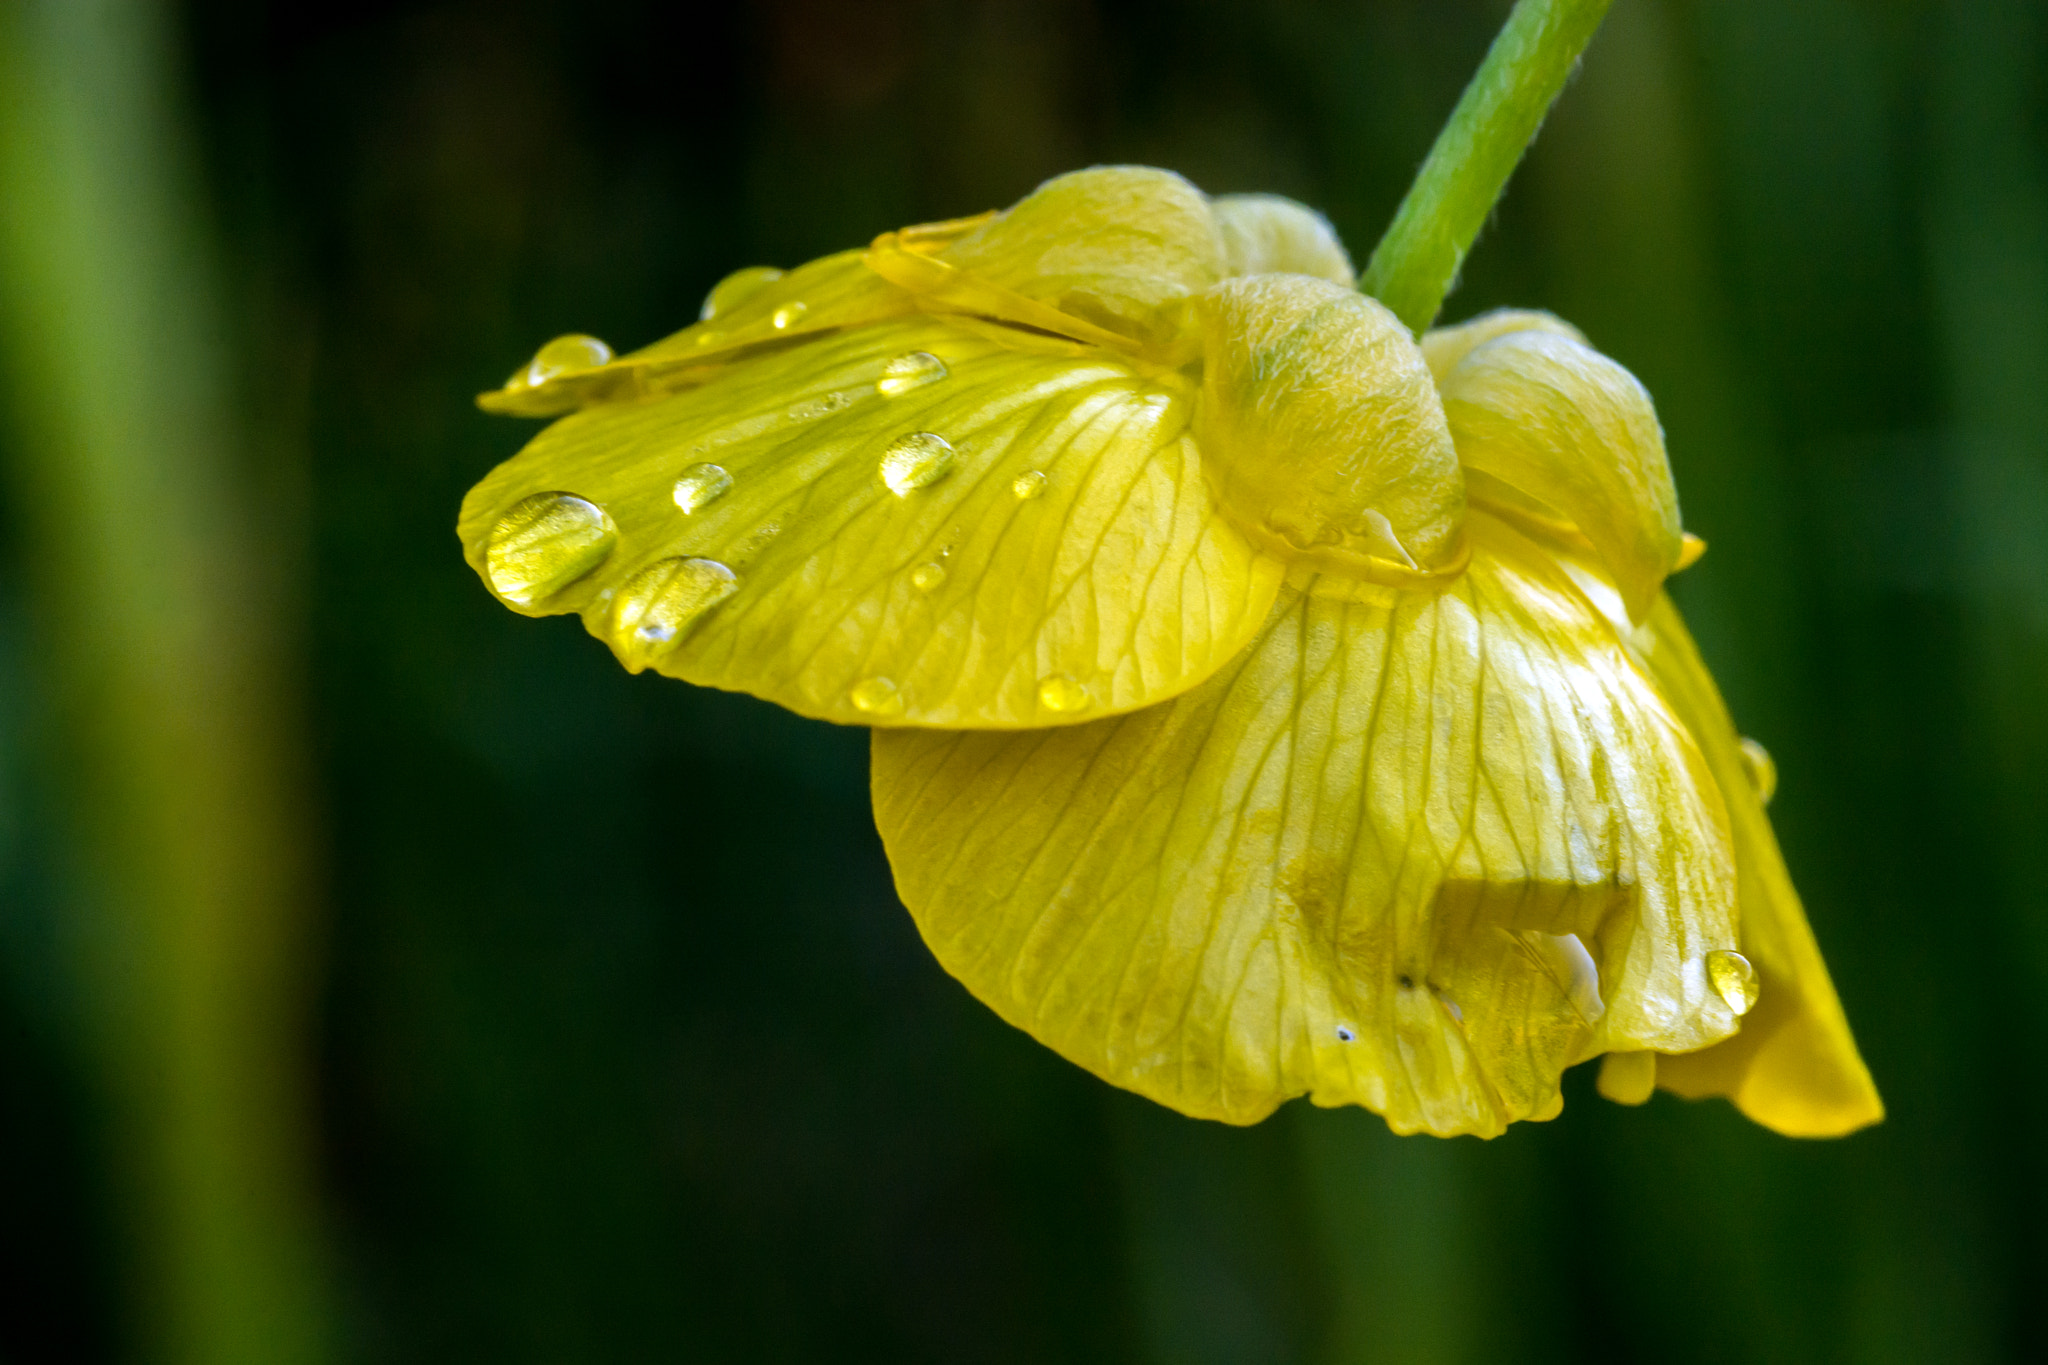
(545, 543)
(1733, 979)
(836, 401)
(1346, 1034)
(701, 485)
(709, 337)
(788, 315)
(1028, 485)
(877, 697)
(916, 461)
(1061, 693)
(657, 603)
(928, 577)
(1762, 769)
(757, 541)
(735, 289)
(912, 370)
(569, 354)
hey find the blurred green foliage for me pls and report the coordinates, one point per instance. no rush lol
(624, 1049)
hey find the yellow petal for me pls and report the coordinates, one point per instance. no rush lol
(1794, 1067)
(1444, 347)
(1563, 424)
(919, 521)
(1418, 854)
(1323, 429)
(1120, 246)
(753, 310)
(1264, 234)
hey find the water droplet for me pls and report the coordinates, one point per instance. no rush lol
(877, 697)
(912, 370)
(788, 315)
(928, 577)
(735, 289)
(1346, 1034)
(1762, 769)
(1733, 979)
(1061, 693)
(710, 337)
(657, 603)
(569, 354)
(701, 485)
(916, 461)
(1028, 485)
(545, 543)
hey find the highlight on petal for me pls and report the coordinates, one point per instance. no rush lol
(1444, 347)
(1323, 430)
(1560, 423)
(1794, 1066)
(1418, 853)
(913, 522)
(1264, 234)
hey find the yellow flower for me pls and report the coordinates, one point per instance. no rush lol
(1267, 704)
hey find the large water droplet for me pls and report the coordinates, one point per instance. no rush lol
(735, 289)
(1061, 693)
(1733, 979)
(660, 601)
(701, 485)
(928, 577)
(916, 461)
(912, 370)
(877, 697)
(1762, 769)
(1028, 485)
(545, 543)
(788, 315)
(564, 355)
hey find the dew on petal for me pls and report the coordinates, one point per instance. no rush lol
(877, 697)
(1733, 979)
(928, 577)
(912, 370)
(1028, 485)
(735, 289)
(701, 485)
(788, 315)
(545, 543)
(569, 354)
(1762, 769)
(916, 461)
(659, 603)
(1061, 693)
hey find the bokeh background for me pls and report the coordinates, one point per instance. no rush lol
(385, 977)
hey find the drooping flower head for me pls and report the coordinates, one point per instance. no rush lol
(1266, 703)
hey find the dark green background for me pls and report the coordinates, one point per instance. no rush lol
(625, 1049)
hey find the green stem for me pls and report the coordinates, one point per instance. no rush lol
(162, 647)
(1417, 261)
